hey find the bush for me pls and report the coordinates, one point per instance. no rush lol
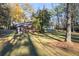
(1, 28)
(76, 28)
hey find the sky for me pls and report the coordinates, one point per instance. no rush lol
(40, 5)
(37, 6)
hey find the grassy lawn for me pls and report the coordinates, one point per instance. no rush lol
(38, 44)
(53, 44)
(5, 39)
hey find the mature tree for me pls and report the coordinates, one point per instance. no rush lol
(42, 18)
(73, 15)
(57, 13)
(36, 21)
(4, 15)
(16, 13)
(68, 16)
(71, 12)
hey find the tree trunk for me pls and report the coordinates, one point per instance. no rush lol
(68, 28)
(73, 24)
(58, 20)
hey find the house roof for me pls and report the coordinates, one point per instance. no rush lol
(23, 24)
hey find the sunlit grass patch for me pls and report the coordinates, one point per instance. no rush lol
(24, 42)
(1, 42)
(39, 44)
(42, 47)
(21, 51)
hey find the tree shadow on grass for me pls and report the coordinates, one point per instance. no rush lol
(46, 35)
(32, 48)
(75, 38)
(52, 37)
(7, 46)
(58, 34)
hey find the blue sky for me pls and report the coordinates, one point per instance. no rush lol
(37, 6)
(40, 5)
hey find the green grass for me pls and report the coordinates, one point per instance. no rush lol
(36, 44)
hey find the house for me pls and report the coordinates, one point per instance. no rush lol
(23, 27)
